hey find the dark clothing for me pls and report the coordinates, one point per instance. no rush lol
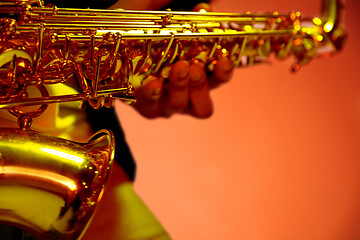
(181, 5)
(106, 118)
(93, 4)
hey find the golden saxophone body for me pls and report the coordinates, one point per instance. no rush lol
(108, 53)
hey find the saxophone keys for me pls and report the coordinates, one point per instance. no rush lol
(165, 72)
(24, 121)
(109, 102)
(97, 103)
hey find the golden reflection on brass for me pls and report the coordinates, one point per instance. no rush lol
(51, 45)
(50, 186)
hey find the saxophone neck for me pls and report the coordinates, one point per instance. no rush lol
(332, 18)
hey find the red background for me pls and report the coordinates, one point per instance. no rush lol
(279, 159)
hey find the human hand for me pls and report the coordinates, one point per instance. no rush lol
(187, 90)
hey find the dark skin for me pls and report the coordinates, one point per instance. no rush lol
(188, 88)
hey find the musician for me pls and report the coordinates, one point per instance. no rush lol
(122, 214)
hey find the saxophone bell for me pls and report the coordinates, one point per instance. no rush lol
(50, 187)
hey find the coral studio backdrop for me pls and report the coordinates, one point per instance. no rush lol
(279, 159)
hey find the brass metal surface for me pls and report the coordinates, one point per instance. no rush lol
(51, 186)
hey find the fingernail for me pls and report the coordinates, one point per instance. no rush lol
(156, 92)
(147, 80)
(196, 76)
(228, 66)
(182, 69)
(183, 74)
(152, 88)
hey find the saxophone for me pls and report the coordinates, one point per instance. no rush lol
(109, 53)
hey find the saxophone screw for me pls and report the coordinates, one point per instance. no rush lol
(24, 122)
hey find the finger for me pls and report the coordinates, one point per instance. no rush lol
(151, 89)
(148, 97)
(200, 102)
(178, 90)
(200, 6)
(223, 71)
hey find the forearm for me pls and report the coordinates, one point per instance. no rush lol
(123, 215)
